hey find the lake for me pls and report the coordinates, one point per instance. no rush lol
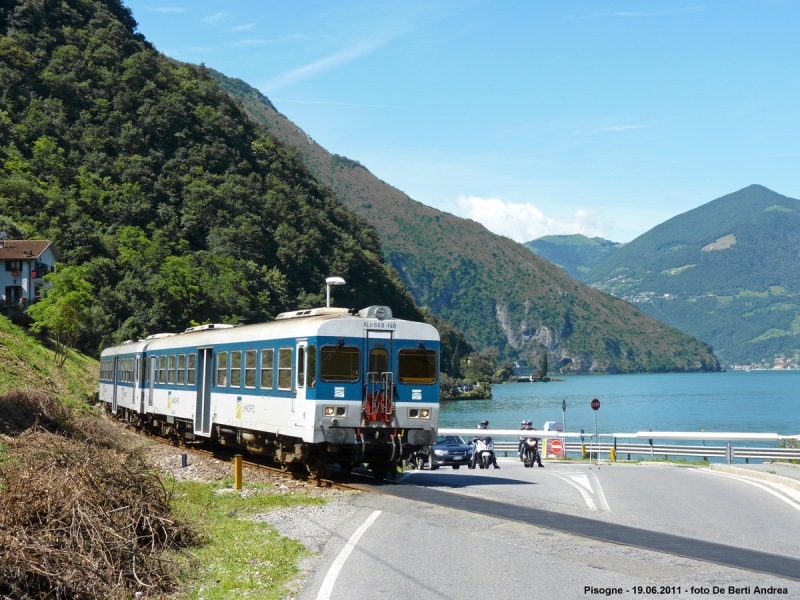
(754, 401)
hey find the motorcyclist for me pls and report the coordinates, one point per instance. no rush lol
(528, 426)
(482, 425)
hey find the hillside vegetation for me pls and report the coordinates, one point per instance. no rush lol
(25, 364)
(141, 169)
(727, 272)
(576, 254)
(493, 289)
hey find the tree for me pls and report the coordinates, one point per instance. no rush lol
(541, 372)
(64, 309)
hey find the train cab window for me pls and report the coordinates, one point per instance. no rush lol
(181, 369)
(236, 368)
(378, 360)
(339, 363)
(417, 366)
(250, 369)
(301, 367)
(284, 368)
(312, 367)
(171, 370)
(162, 368)
(190, 368)
(267, 368)
(222, 369)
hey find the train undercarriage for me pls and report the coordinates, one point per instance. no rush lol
(381, 449)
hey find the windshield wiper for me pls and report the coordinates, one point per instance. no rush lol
(338, 346)
(428, 354)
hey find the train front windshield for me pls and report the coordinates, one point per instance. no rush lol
(417, 366)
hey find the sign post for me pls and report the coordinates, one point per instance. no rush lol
(595, 408)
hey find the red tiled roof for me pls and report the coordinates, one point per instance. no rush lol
(15, 249)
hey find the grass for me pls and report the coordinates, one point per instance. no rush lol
(239, 557)
(26, 364)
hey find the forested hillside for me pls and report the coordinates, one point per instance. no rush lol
(142, 170)
(727, 272)
(495, 290)
(576, 254)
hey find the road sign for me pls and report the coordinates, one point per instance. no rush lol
(563, 405)
(582, 432)
(555, 448)
(595, 404)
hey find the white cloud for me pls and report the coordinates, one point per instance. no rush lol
(167, 9)
(217, 17)
(620, 128)
(247, 27)
(649, 13)
(523, 222)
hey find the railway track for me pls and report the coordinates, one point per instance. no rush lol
(253, 462)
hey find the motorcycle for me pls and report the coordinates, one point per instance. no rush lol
(417, 459)
(530, 448)
(483, 454)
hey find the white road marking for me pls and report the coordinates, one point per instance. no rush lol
(788, 501)
(601, 494)
(330, 579)
(586, 497)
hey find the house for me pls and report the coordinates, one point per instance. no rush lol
(23, 263)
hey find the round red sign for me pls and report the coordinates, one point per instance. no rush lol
(556, 446)
(595, 404)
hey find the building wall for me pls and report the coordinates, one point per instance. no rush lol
(24, 279)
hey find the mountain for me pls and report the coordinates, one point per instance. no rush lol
(727, 272)
(179, 206)
(576, 254)
(497, 291)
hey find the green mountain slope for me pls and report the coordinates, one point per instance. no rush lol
(495, 290)
(143, 170)
(576, 254)
(727, 271)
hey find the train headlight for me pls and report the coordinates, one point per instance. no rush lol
(425, 413)
(380, 313)
(340, 410)
(328, 411)
(413, 413)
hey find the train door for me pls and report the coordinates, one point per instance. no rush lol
(114, 386)
(151, 378)
(379, 382)
(205, 379)
(299, 392)
(138, 389)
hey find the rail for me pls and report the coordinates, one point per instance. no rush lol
(591, 446)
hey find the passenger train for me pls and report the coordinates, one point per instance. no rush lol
(313, 387)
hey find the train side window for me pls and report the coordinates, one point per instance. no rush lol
(127, 370)
(285, 369)
(171, 370)
(417, 366)
(181, 368)
(250, 369)
(236, 368)
(301, 367)
(267, 368)
(192, 363)
(162, 368)
(312, 367)
(339, 363)
(222, 369)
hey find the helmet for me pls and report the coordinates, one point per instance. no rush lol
(527, 424)
(483, 425)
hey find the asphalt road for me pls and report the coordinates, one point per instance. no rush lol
(395, 547)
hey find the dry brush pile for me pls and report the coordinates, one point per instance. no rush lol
(81, 516)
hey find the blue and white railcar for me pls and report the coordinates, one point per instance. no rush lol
(313, 386)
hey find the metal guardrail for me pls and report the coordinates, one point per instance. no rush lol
(664, 450)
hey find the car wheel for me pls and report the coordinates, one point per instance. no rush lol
(434, 466)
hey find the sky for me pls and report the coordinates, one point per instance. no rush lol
(533, 118)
